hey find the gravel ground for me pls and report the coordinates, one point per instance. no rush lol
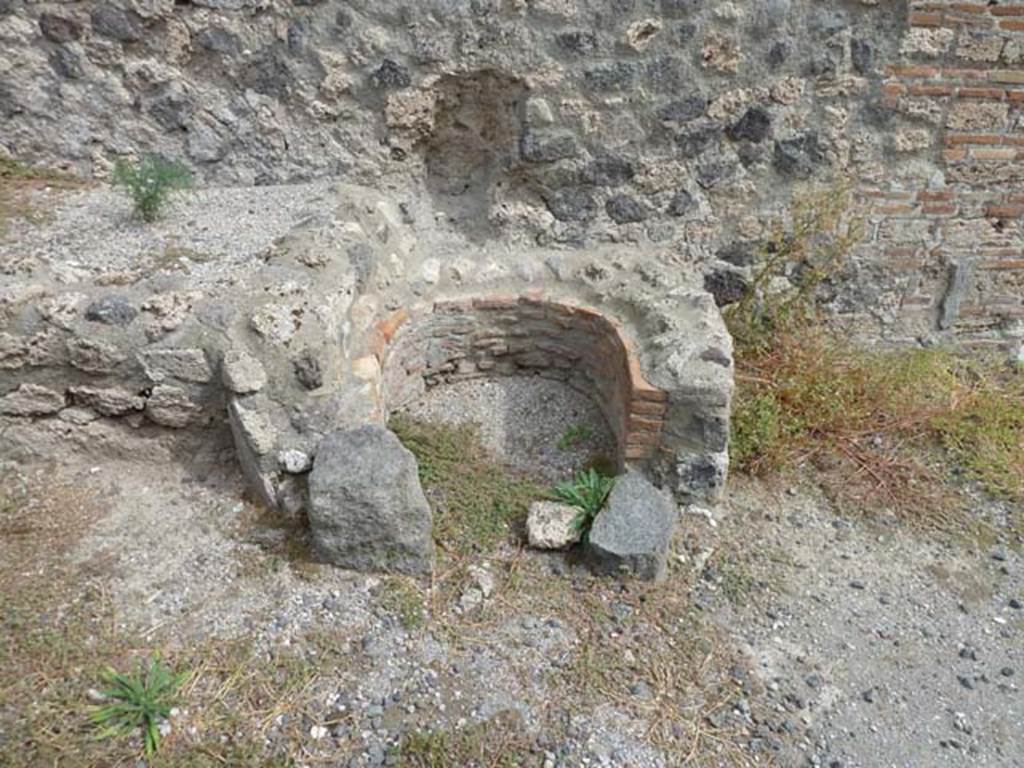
(91, 231)
(540, 426)
(865, 645)
(895, 649)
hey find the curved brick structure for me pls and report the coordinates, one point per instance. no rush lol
(528, 336)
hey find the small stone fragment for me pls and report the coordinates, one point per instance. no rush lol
(31, 400)
(94, 356)
(171, 407)
(550, 525)
(182, 364)
(242, 373)
(111, 310)
(110, 401)
(294, 461)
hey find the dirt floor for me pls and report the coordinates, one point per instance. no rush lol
(785, 635)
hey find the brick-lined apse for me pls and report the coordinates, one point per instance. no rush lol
(524, 336)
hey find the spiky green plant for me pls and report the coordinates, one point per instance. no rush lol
(140, 699)
(150, 182)
(587, 491)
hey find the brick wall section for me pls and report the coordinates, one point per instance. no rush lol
(524, 336)
(956, 244)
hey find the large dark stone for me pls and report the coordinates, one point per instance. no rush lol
(683, 110)
(608, 171)
(66, 63)
(299, 34)
(367, 510)
(610, 77)
(685, 33)
(726, 285)
(577, 42)
(862, 56)
(172, 109)
(697, 139)
(59, 29)
(755, 126)
(547, 147)
(681, 204)
(799, 156)
(571, 204)
(632, 533)
(624, 209)
(108, 21)
(268, 73)
(390, 74)
(667, 74)
(218, 40)
(713, 171)
(778, 54)
(111, 310)
(343, 20)
(738, 253)
(308, 371)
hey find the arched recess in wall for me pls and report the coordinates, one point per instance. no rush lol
(524, 336)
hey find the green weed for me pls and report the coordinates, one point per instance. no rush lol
(586, 491)
(151, 182)
(141, 699)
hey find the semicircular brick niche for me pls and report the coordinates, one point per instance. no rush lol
(507, 335)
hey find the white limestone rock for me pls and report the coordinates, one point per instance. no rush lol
(550, 525)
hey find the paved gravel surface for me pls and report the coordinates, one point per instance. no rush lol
(92, 230)
(893, 648)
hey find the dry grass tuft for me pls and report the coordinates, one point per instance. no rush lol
(884, 430)
(478, 502)
(495, 743)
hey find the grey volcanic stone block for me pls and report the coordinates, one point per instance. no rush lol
(31, 400)
(632, 532)
(366, 508)
(111, 310)
(242, 373)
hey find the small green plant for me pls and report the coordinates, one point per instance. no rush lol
(141, 699)
(575, 436)
(586, 491)
(150, 182)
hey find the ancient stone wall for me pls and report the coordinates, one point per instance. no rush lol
(679, 123)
